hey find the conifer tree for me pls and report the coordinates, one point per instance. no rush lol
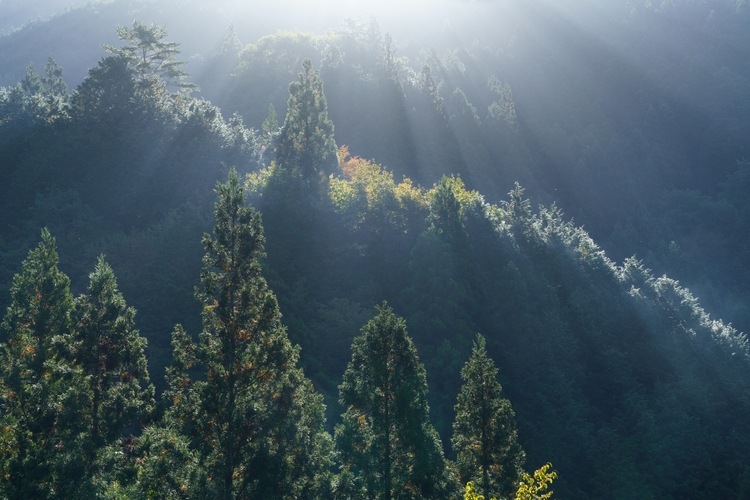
(32, 83)
(387, 446)
(110, 355)
(70, 374)
(149, 55)
(484, 433)
(270, 126)
(53, 79)
(32, 377)
(255, 420)
(306, 139)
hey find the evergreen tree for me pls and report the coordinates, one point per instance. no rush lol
(445, 213)
(445, 301)
(32, 83)
(148, 54)
(270, 126)
(306, 139)
(110, 354)
(103, 101)
(255, 420)
(53, 79)
(387, 446)
(32, 377)
(388, 62)
(484, 433)
(231, 45)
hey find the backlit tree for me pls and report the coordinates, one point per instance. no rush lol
(306, 139)
(387, 446)
(254, 419)
(148, 54)
(484, 433)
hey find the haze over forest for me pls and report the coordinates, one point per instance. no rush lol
(567, 179)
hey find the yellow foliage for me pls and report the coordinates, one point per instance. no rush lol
(257, 182)
(471, 493)
(367, 190)
(531, 488)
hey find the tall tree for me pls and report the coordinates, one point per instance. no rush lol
(32, 376)
(484, 433)
(255, 419)
(110, 354)
(386, 444)
(148, 54)
(306, 139)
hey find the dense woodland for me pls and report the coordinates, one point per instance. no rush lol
(371, 261)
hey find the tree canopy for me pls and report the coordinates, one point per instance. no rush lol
(148, 54)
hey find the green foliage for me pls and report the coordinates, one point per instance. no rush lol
(34, 380)
(231, 45)
(110, 355)
(370, 201)
(53, 79)
(265, 70)
(105, 95)
(386, 445)
(530, 488)
(270, 126)
(430, 89)
(618, 375)
(445, 211)
(502, 108)
(32, 84)
(306, 139)
(279, 55)
(471, 494)
(149, 55)
(484, 432)
(70, 382)
(255, 420)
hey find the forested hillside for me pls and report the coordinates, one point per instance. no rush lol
(527, 173)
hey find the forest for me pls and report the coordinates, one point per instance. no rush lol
(451, 250)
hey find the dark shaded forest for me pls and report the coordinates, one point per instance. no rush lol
(331, 217)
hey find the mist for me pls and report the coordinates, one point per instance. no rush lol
(568, 179)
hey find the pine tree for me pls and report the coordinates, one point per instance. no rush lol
(306, 139)
(255, 420)
(484, 433)
(387, 446)
(33, 377)
(149, 55)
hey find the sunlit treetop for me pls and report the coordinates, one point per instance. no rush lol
(149, 55)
